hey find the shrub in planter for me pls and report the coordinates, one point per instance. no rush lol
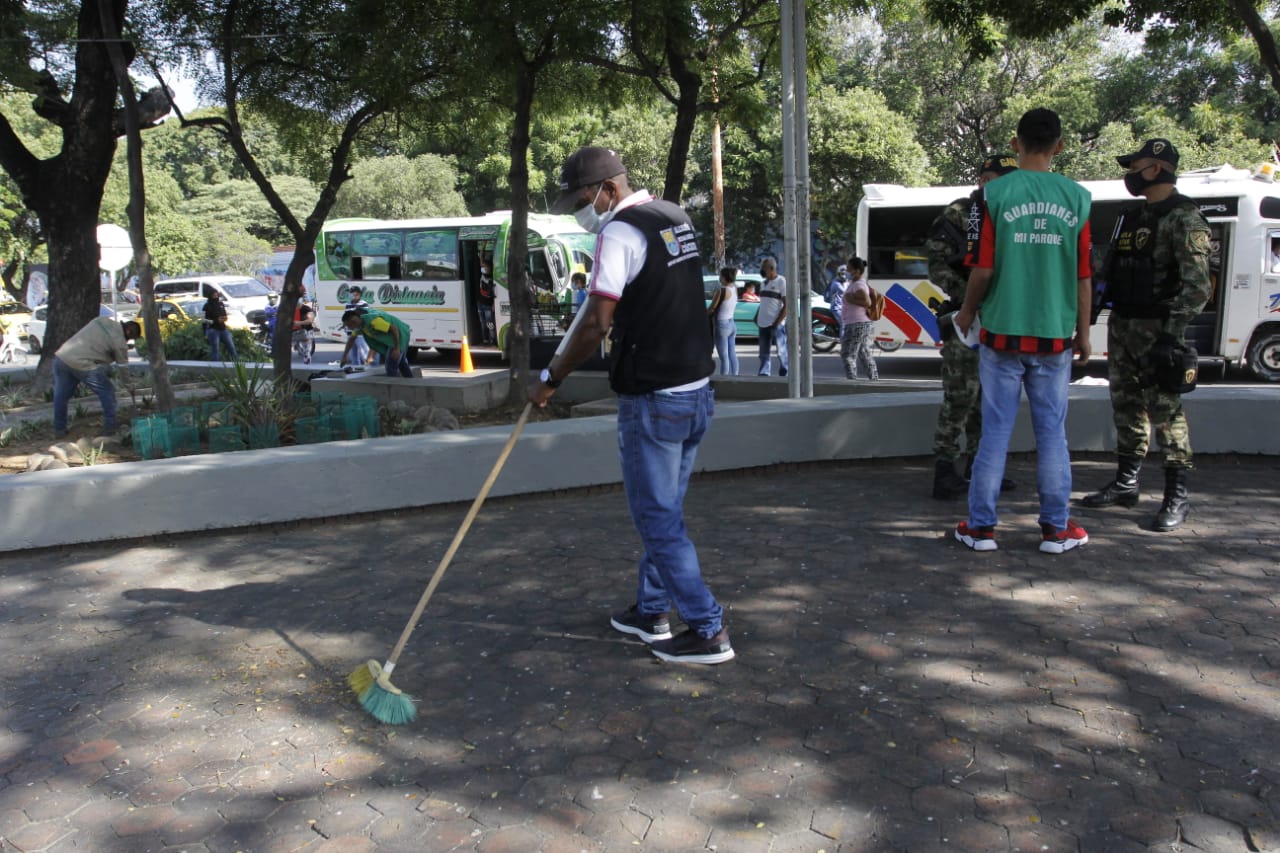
(184, 340)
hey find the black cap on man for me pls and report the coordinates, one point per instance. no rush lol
(584, 167)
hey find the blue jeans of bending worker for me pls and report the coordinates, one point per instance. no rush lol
(658, 436)
(1046, 378)
(399, 367)
(97, 380)
(217, 339)
(727, 346)
(767, 338)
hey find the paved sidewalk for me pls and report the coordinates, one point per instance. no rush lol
(893, 691)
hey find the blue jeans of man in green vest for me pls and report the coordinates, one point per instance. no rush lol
(658, 436)
(1046, 378)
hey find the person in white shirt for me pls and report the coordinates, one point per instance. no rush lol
(646, 293)
(87, 357)
(772, 317)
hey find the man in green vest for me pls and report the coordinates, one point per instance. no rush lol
(386, 333)
(1026, 308)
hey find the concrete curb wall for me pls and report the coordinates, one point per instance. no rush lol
(173, 496)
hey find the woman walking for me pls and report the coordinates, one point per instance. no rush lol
(856, 326)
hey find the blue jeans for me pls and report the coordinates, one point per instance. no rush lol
(658, 436)
(727, 346)
(97, 380)
(767, 337)
(220, 338)
(1046, 378)
(399, 367)
(359, 351)
(487, 329)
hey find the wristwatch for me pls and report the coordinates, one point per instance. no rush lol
(547, 380)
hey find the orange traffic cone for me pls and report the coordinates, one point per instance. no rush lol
(464, 363)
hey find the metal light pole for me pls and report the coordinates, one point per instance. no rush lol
(795, 197)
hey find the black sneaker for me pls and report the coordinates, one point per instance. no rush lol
(648, 628)
(688, 647)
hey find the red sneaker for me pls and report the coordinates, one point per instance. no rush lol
(978, 538)
(1056, 541)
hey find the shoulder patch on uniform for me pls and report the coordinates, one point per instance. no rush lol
(1198, 241)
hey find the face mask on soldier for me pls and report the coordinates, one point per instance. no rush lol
(1135, 183)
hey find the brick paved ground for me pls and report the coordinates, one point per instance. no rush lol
(893, 691)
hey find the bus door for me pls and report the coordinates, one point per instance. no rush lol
(476, 256)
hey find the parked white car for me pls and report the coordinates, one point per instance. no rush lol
(34, 333)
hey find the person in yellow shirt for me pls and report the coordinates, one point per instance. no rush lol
(386, 333)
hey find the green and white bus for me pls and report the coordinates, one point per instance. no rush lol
(428, 273)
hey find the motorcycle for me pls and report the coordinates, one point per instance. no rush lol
(826, 331)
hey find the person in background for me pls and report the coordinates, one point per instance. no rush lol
(485, 302)
(387, 334)
(361, 353)
(87, 357)
(579, 283)
(1155, 287)
(723, 305)
(304, 322)
(749, 292)
(835, 294)
(1032, 282)
(647, 294)
(857, 327)
(950, 249)
(215, 327)
(772, 318)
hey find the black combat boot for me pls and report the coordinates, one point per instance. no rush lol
(1176, 503)
(1122, 490)
(947, 483)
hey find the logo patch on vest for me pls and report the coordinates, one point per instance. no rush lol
(670, 240)
(1141, 237)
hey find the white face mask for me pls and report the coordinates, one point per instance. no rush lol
(589, 219)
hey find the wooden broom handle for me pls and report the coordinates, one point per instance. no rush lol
(459, 536)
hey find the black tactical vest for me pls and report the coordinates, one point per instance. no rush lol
(661, 336)
(1131, 286)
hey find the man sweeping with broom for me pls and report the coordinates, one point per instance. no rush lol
(646, 292)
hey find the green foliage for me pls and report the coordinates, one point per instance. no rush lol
(399, 187)
(184, 340)
(255, 399)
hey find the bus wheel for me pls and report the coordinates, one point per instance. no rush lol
(1264, 355)
(892, 345)
(412, 354)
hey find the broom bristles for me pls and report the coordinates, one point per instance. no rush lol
(382, 699)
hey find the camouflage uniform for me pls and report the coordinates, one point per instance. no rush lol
(961, 410)
(1182, 243)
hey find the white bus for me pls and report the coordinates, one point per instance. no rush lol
(1240, 324)
(427, 272)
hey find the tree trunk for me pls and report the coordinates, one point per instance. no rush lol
(137, 213)
(1261, 33)
(518, 239)
(690, 85)
(65, 191)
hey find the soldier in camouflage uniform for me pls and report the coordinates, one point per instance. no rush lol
(951, 237)
(1156, 281)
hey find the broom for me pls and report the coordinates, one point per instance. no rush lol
(371, 682)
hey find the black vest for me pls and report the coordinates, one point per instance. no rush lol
(1131, 286)
(661, 337)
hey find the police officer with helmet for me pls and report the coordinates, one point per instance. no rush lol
(1156, 282)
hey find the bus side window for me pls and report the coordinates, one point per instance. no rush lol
(431, 255)
(1273, 260)
(539, 274)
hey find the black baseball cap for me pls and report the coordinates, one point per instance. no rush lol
(584, 167)
(1001, 164)
(1156, 149)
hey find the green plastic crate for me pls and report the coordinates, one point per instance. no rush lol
(214, 416)
(184, 439)
(151, 436)
(267, 435)
(184, 416)
(312, 430)
(224, 439)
